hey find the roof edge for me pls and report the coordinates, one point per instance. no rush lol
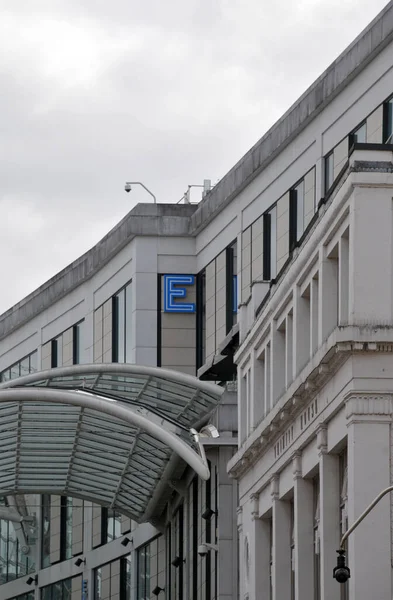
(366, 46)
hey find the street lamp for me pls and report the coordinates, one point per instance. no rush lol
(129, 184)
(341, 572)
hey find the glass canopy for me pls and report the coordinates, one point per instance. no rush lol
(109, 433)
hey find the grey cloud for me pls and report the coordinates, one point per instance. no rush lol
(169, 93)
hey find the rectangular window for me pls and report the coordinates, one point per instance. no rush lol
(388, 122)
(201, 319)
(23, 367)
(62, 590)
(65, 528)
(76, 343)
(121, 326)
(125, 578)
(270, 244)
(358, 136)
(231, 286)
(143, 573)
(329, 171)
(13, 562)
(296, 214)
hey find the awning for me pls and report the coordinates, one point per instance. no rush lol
(104, 432)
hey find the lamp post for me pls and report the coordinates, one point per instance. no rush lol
(341, 572)
(129, 184)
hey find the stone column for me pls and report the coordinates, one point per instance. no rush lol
(304, 533)
(259, 554)
(329, 524)
(369, 546)
(281, 544)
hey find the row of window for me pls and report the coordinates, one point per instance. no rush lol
(27, 365)
(359, 136)
(316, 575)
(13, 563)
(113, 580)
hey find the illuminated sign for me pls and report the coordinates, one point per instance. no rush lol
(174, 291)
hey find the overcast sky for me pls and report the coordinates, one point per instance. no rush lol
(96, 92)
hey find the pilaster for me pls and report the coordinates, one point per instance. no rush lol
(329, 510)
(369, 546)
(281, 544)
(303, 518)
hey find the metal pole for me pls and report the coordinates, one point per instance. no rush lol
(143, 185)
(364, 515)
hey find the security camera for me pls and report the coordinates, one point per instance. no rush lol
(341, 573)
(127, 187)
(203, 549)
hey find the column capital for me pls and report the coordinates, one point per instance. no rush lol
(254, 498)
(322, 443)
(297, 465)
(274, 484)
(368, 406)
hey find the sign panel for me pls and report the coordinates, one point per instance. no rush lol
(175, 291)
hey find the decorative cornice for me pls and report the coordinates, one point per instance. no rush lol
(363, 404)
(254, 499)
(297, 465)
(294, 403)
(274, 486)
(322, 442)
(239, 512)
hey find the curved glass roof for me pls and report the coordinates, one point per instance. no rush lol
(104, 432)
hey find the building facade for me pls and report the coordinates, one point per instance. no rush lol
(278, 287)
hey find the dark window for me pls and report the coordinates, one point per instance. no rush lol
(65, 528)
(358, 136)
(329, 171)
(62, 590)
(76, 343)
(231, 286)
(194, 585)
(143, 573)
(388, 122)
(296, 214)
(110, 525)
(125, 578)
(121, 326)
(201, 319)
(266, 246)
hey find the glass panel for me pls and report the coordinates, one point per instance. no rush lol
(360, 134)
(15, 371)
(59, 341)
(68, 528)
(98, 584)
(389, 122)
(329, 172)
(120, 307)
(128, 324)
(299, 189)
(46, 530)
(25, 366)
(33, 362)
(126, 585)
(273, 242)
